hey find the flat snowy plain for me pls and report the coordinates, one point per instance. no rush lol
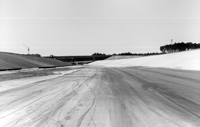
(154, 91)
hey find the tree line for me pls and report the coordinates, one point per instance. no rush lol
(98, 54)
(127, 54)
(178, 47)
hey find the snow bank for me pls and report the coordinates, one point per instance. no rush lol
(189, 60)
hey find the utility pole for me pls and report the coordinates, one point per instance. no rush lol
(27, 48)
(171, 45)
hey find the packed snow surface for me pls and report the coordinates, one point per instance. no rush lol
(100, 97)
(189, 60)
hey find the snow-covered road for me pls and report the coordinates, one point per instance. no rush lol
(102, 97)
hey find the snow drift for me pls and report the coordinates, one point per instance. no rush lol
(189, 60)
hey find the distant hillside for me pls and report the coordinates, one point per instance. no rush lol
(13, 61)
(116, 57)
(79, 58)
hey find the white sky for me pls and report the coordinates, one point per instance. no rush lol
(82, 27)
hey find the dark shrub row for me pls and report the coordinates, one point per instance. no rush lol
(178, 47)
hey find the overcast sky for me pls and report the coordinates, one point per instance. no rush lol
(82, 27)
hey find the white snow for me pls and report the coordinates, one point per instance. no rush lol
(188, 60)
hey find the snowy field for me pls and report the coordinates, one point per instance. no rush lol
(189, 60)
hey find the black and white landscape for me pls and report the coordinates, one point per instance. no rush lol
(99, 63)
(105, 94)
